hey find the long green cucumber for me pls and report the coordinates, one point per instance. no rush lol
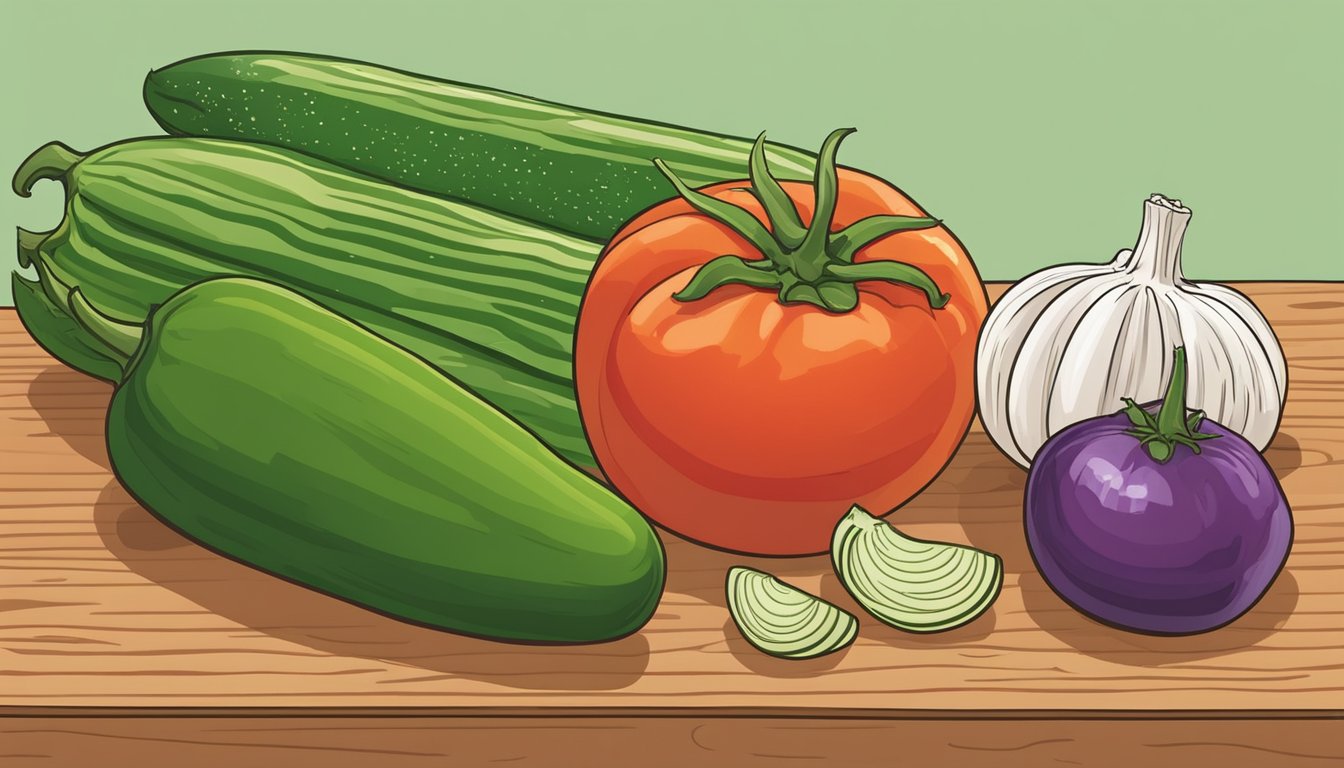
(487, 298)
(281, 434)
(578, 170)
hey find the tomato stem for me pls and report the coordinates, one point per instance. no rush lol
(788, 226)
(806, 264)
(811, 255)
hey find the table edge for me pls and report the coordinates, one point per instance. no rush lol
(769, 713)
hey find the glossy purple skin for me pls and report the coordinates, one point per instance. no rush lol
(1166, 549)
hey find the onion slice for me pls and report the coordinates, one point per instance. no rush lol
(784, 621)
(911, 584)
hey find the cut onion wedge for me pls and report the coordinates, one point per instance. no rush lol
(784, 621)
(911, 584)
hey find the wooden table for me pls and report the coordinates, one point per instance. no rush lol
(124, 643)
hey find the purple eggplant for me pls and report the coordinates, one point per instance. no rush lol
(1156, 519)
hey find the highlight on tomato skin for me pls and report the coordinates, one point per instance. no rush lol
(755, 357)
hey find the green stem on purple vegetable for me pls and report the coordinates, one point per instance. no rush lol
(1174, 424)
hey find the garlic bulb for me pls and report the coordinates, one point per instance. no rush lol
(1066, 343)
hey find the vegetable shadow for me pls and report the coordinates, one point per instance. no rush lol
(278, 608)
(982, 627)
(985, 490)
(73, 407)
(1099, 641)
(771, 666)
(1284, 454)
(701, 574)
(980, 491)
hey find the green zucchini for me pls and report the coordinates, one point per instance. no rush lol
(486, 298)
(573, 169)
(281, 434)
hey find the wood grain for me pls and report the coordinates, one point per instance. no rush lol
(101, 606)
(704, 742)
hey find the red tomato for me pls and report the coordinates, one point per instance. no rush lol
(751, 424)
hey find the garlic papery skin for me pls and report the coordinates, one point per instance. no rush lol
(1068, 342)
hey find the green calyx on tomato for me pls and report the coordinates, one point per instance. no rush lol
(806, 264)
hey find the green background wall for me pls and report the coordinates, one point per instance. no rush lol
(1034, 128)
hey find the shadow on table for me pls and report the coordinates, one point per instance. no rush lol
(1284, 455)
(991, 513)
(1059, 619)
(278, 608)
(770, 666)
(833, 591)
(701, 572)
(990, 516)
(995, 525)
(74, 407)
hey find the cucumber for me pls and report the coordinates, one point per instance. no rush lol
(912, 584)
(573, 169)
(281, 434)
(486, 298)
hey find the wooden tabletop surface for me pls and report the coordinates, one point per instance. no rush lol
(106, 612)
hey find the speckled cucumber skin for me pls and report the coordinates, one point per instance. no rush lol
(282, 435)
(577, 170)
(487, 298)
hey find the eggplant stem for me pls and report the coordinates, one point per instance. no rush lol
(1175, 424)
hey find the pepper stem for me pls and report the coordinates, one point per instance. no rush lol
(1174, 424)
(805, 264)
(49, 161)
